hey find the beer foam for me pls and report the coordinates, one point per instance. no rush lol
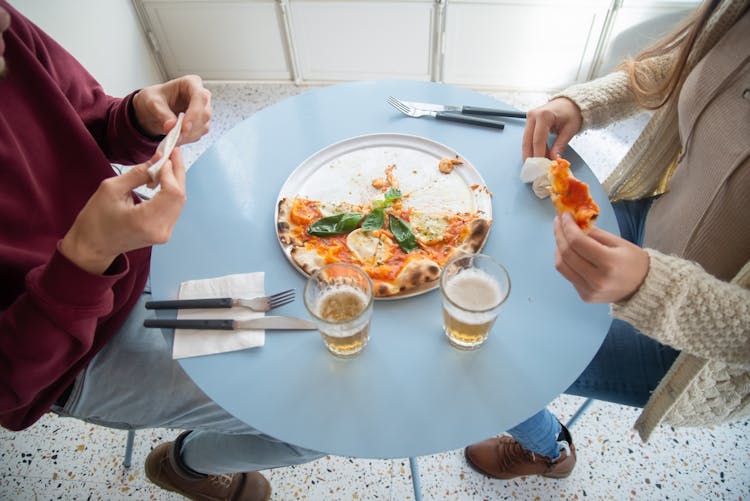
(474, 289)
(341, 304)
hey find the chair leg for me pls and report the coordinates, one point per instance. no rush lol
(415, 478)
(129, 449)
(579, 413)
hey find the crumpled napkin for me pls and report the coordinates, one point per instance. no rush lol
(195, 342)
(534, 170)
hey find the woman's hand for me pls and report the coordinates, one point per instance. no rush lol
(603, 268)
(111, 223)
(560, 116)
(156, 107)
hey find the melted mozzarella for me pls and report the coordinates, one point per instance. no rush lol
(370, 247)
(331, 208)
(429, 227)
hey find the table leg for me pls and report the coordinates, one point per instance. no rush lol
(585, 405)
(415, 478)
(128, 449)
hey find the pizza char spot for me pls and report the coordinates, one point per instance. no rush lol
(414, 278)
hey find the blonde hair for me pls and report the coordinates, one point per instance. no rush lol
(652, 94)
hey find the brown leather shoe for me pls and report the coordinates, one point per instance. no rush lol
(504, 458)
(164, 468)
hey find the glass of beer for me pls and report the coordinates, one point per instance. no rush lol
(473, 287)
(339, 297)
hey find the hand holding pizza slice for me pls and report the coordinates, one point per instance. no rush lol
(569, 194)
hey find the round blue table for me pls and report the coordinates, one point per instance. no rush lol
(409, 393)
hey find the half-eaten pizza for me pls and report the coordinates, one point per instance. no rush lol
(402, 246)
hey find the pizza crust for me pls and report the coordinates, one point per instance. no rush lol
(283, 225)
(416, 273)
(479, 230)
(308, 260)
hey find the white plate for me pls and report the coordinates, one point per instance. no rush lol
(343, 172)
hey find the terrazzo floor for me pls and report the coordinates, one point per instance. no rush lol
(60, 458)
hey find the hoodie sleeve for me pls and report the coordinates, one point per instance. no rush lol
(110, 120)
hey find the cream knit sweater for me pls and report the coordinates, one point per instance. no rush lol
(679, 304)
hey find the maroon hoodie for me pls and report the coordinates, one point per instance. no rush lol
(59, 132)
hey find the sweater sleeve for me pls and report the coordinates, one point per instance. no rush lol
(45, 333)
(110, 120)
(683, 306)
(609, 98)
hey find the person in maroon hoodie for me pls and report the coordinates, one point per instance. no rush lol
(74, 260)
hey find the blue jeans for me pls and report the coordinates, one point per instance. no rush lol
(134, 383)
(625, 370)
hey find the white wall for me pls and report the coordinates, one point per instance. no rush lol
(104, 35)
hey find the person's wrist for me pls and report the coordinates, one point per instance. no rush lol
(133, 113)
(83, 256)
(640, 273)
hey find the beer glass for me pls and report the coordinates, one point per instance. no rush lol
(339, 297)
(472, 287)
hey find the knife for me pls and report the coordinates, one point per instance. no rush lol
(270, 322)
(467, 110)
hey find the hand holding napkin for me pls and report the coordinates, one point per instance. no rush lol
(192, 342)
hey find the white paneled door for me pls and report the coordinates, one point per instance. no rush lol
(230, 40)
(534, 45)
(531, 45)
(363, 39)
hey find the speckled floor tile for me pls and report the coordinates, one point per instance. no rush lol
(67, 449)
(677, 464)
(343, 478)
(36, 489)
(67, 459)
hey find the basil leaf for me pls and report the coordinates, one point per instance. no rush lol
(402, 233)
(389, 197)
(375, 220)
(392, 195)
(336, 224)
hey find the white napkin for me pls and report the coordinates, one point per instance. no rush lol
(194, 342)
(534, 170)
(166, 146)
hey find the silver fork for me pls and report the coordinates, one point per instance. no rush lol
(260, 303)
(266, 303)
(444, 115)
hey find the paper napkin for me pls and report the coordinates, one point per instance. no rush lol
(194, 342)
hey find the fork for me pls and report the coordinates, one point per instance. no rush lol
(444, 115)
(260, 303)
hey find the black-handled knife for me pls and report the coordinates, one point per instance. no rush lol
(213, 302)
(467, 119)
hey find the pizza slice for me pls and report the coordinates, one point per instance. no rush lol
(571, 195)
